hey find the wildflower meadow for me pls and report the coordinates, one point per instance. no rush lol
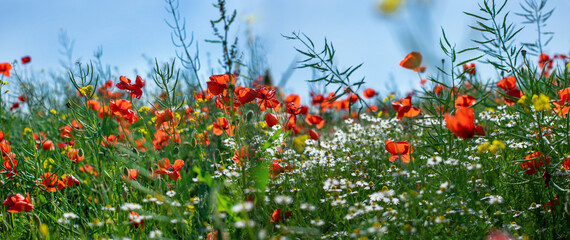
(176, 154)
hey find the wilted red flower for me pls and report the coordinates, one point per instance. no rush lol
(535, 162)
(49, 180)
(26, 60)
(221, 125)
(369, 93)
(5, 69)
(271, 119)
(399, 149)
(134, 89)
(14, 106)
(405, 108)
(463, 123)
(412, 61)
(464, 101)
(18, 203)
(171, 170)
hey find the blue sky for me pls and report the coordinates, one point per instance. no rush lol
(129, 28)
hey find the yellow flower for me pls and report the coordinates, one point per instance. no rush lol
(390, 97)
(44, 230)
(144, 109)
(541, 103)
(389, 6)
(54, 112)
(26, 131)
(522, 100)
(210, 127)
(86, 91)
(299, 143)
(483, 147)
(380, 113)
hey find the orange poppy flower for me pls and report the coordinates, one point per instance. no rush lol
(49, 180)
(171, 170)
(566, 163)
(438, 89)
(315, 119)
(535, 162)
(266, 99)
(5, 69)
(221, 125)
(369, 93)
(317, 99)
(463, 123)
(134, 89)
(293, 98)
(405, 108)
(412, 61)
(271, 119)
(123, 109)
(399, 149)
(18, 203)
(464, 101)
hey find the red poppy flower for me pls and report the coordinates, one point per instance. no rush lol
(9, 165)
(219, 83)
(49, 180)
(566, 163)
(412, 61)
(535, 162)
(171, 170)
(123, 109)
(88, 169)
(317, 99)
(221, 125)
(242, 153)
(109, 141)
(512, 96)
(163, 117)
(399, 149)
(314, 134)
(463, 123)
(293, 98)
(18, 203)
(266, 99)
(134, 89)
(276, 216)
(315, 119)
(405, 108)
(245, 94)
(507, 83)
(132, 174)
(369, 93)
(469, 68)
(136, 220)
(271, 119)
(67, 181)
(26, 60)
(5, 69)
(464, 101)
(76, 155)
